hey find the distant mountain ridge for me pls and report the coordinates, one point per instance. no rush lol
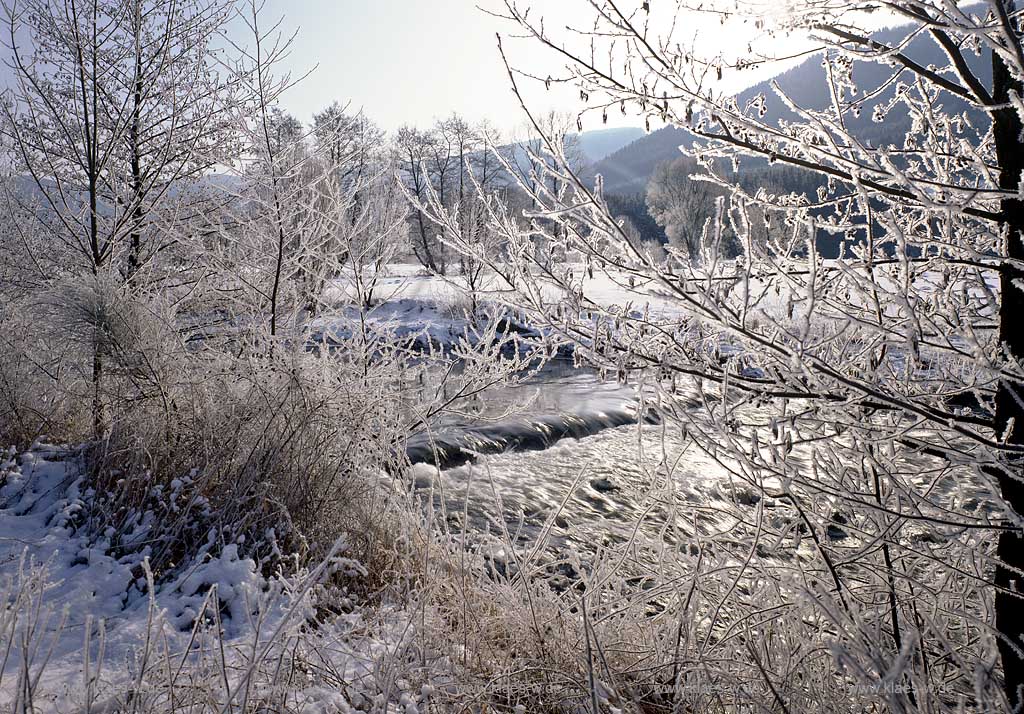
(628, 170)
(599, 144)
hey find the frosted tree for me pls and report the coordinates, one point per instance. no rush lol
(480, 178)
(280, 236)
(364, 166)
(112, 103)
(467, 220)
(680, 205)
(353, 138)
(413, 149)
(871, 403)
(448, 165)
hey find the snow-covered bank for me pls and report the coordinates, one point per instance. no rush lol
(216, 628)
(86, 629)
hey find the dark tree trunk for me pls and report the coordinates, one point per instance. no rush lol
(427, 258)
(100, 418)
(1009, 604)
(135, 249)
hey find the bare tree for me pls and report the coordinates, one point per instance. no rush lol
(352, 142)
(447, 164)
(681, 205)
(467, 222)
(113, 103)
(413, 148)
(864, 397)
(282, 221)
(179, 127)
(480, 179)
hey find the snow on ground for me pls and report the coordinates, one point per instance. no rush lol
(88, 598)
(407, 304)
(412, 301)
(434, 311)
(81, 624)
(448, 295)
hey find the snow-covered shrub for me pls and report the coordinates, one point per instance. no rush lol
(220, 635)
(865, 408)
(39, 397)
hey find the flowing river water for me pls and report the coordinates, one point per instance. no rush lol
(583, 468)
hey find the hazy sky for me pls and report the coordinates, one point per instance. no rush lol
(410, 61)
(403, 61)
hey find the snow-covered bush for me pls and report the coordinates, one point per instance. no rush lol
(218, 347)
(866, 408)
(220, 637)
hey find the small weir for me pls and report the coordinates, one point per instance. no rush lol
(455, 446)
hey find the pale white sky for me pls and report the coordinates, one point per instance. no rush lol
(403, 61)
(411, 61)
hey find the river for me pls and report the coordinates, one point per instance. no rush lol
(585, 468)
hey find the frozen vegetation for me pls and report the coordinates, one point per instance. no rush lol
(324, 418)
